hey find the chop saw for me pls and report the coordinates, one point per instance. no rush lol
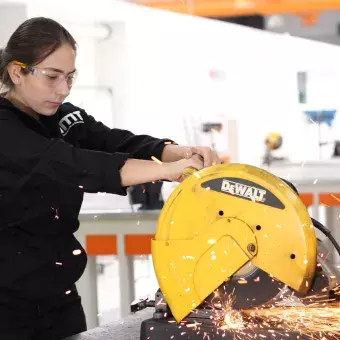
(233, 237)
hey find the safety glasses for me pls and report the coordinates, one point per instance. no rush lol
(49, 77)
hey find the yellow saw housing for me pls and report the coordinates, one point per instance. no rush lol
(221, 218)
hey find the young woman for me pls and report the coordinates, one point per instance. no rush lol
(52, 152)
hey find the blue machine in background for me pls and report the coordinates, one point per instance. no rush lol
(321, 116)
(318, 117)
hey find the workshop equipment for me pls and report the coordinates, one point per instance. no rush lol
(321, 117)
(230, 239)
(212, 129)
(272, 142)
(148, 195)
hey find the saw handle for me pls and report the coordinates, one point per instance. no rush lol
(190, 170)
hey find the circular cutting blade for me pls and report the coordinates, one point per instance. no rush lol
(250, 287)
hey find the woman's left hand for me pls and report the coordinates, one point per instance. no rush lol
(209, 156)
(176, 152)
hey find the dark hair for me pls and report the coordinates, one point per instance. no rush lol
(33, 41)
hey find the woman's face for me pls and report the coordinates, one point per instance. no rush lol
(46, 85)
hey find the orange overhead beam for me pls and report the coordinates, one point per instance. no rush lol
(217, 8)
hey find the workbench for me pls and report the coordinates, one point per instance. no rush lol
(129, 329)
(125, 329)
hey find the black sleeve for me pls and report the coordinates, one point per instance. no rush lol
(102, 138)
(29, 153)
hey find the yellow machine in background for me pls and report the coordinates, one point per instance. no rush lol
(273, 141)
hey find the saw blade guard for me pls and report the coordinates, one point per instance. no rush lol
(222, 217)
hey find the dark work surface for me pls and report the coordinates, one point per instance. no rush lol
(125, 329)
(163, 330)
(130, 329)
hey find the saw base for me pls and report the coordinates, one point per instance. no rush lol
(167, 329)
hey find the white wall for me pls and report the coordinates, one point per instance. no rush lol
(169, 61)
(11, 16)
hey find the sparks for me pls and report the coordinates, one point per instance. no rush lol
(156, 160)
(317, 320)
(197, 175)
(76, 252)
(233, 320)
(56, 216)
(336, 198)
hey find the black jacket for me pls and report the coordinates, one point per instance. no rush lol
(45, 168)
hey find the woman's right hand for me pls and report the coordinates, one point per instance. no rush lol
(174, 170)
